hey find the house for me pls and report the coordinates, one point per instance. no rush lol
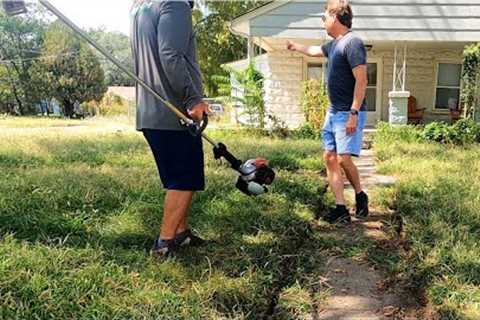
(414, 49)
(126, 93)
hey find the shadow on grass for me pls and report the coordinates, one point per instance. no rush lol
(259, 245)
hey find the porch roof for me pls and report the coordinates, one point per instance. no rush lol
(374, 20)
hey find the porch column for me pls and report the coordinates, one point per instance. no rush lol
(398, 107)
(251, 50)
(398, 97)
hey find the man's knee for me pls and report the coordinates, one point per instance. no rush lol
(344, 159)
(330, 157)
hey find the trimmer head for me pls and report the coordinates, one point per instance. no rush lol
(14, 7)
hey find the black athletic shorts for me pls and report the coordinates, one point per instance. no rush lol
(179, 158)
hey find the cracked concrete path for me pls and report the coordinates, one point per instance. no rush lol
(357, 289)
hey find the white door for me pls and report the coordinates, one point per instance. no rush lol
(374, 91)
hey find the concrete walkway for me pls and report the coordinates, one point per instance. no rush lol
(368, 172)
(356, 286)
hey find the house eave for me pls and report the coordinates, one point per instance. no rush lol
(240, 25)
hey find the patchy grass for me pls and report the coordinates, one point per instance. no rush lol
(78, 214)
(437, 196)
(11, 122)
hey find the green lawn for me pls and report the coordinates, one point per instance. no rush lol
(438, 197)
(78, 214)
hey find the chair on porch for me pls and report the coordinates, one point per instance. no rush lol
(455, 110)
(455, 115)
(415, 114)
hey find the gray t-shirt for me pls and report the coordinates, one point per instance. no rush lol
(343, 55)
(164, 51)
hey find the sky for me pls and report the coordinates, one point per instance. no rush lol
(112, 14)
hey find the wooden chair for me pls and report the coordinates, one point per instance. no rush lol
(455, 111)
(455, 115)
(415, 114)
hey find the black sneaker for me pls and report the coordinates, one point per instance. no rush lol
(338, 215)
(362, 205)
(163, 249)
(187, 238)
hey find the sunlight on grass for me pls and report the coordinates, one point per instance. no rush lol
(79, 212)
(437, 197)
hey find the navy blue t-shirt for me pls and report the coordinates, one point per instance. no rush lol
(343, 55)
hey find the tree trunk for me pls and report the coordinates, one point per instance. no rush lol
(14, 91)
(68, 107)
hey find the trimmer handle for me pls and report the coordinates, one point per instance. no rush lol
(196, 128)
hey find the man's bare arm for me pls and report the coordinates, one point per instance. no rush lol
(311, 51)
(361, 82)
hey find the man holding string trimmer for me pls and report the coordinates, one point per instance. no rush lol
(164, 51)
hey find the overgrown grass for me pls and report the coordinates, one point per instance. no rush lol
(438, 197)
(78, 214)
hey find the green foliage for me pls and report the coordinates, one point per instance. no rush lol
(471, 81)
(72, 68)
(464, 131)
(21, 40)
(118, 45)
(252, 98)
(387, 133)
(314, 102)
(307, 131)
(436, 198)
(110, 105)
(217, 45)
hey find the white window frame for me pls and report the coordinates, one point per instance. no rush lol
(313, 60)
(379, 86)
(435, 85)
(379, 98)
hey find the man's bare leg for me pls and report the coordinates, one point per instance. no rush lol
(335, 178)
(175, 212)
(351, 172)
(183, 226)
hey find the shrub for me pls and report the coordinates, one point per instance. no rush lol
(387, 133)
(110, 105)
(471, 81)
(437, 132)
(250, 82)
(465, 131)
(307, 131)
(314, 102)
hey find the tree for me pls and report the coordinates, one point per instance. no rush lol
(217, 45)
(471, 81)
(72, 68)
(21, 40)
(118, 45)
(250, 83)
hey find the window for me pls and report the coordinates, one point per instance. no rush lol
(315, 71)
(448, 86)
(371, 95)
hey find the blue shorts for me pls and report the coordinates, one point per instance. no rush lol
(179, 158)
(334, 133)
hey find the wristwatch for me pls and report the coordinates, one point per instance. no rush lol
(354, 112)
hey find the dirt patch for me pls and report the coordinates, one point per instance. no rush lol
(360, 290)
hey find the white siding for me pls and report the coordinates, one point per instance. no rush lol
(283, 76)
